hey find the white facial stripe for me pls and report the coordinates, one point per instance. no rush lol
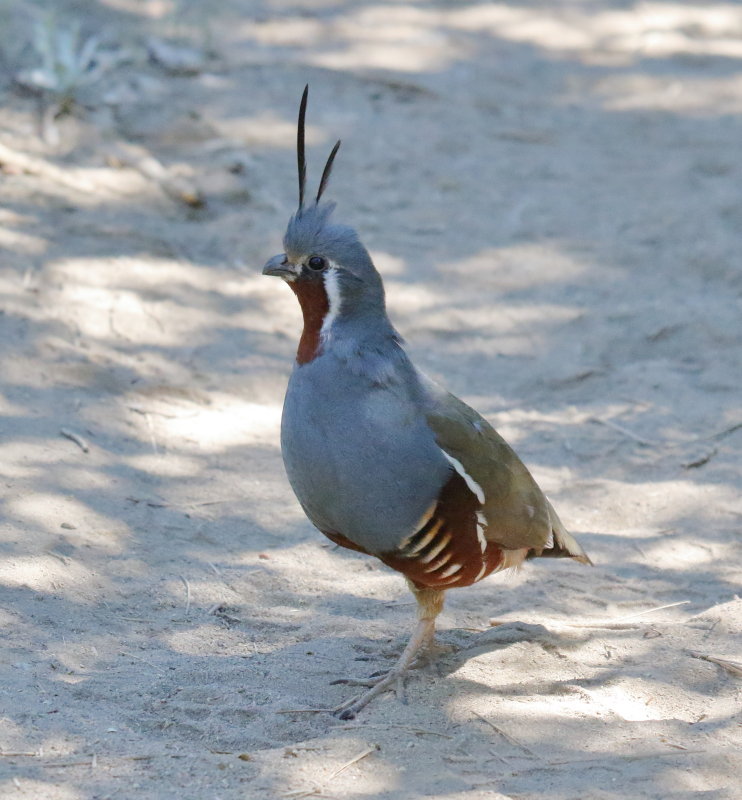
(470, 482)
(481, 527)
(334, 299)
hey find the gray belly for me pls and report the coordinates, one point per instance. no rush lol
(361, 459)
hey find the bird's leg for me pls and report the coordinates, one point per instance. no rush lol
(429, 605)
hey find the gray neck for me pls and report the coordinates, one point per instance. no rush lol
(368, 344)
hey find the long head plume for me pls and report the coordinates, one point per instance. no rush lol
(301, 155)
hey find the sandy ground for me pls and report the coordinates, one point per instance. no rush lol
(552, 193)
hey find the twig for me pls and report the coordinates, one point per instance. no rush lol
(177, 187)
(733, 667)
(700, 461)
(296, 793)
(367, 752)
(76, 438)
(409, 728)
(651, 610)
(188, 594)
(619, 623)
(505, 735)
(5, 754)
(625, 431)
(608, 626)
(305, 711)
(628, 757)
(726, 431)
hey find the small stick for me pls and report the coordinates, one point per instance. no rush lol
(188, 594)
(625, 431)
(630, 757)
(608, 626)
(14, 755)
(701, 461)
(499, 757)
(394, 725)
(76, 438)
(305, 711)
(367, 752)
(296, 793)
(726, 431)
(735, 667)
(620, 623)
(651, 610)
(505, 735)
(177, 187)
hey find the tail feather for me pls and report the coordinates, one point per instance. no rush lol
(562, 543)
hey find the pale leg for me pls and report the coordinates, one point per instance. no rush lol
(429, 605)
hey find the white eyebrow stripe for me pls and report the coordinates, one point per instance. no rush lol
(470, 482)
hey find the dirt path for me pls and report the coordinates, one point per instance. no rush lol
(552, 193)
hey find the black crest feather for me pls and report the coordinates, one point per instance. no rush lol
(300, 155)
(327, 170)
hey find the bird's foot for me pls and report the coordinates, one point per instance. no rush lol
(421, 638)
(421, 660)
(352, 706)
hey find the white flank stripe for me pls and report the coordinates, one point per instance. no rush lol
(334, 299)
(481, 572)
(424, 542)
(441, 562)
(437, 549)
(451, 570)
(470, 482)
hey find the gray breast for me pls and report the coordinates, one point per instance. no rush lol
(360, 458)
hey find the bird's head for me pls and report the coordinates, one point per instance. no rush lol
(325, 263)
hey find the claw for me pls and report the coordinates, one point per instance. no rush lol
(393, 679)
(353, 682)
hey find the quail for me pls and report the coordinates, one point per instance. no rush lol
(382, 459)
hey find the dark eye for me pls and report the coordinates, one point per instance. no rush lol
(316, 263)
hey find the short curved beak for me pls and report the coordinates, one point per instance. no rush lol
(280, 267)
